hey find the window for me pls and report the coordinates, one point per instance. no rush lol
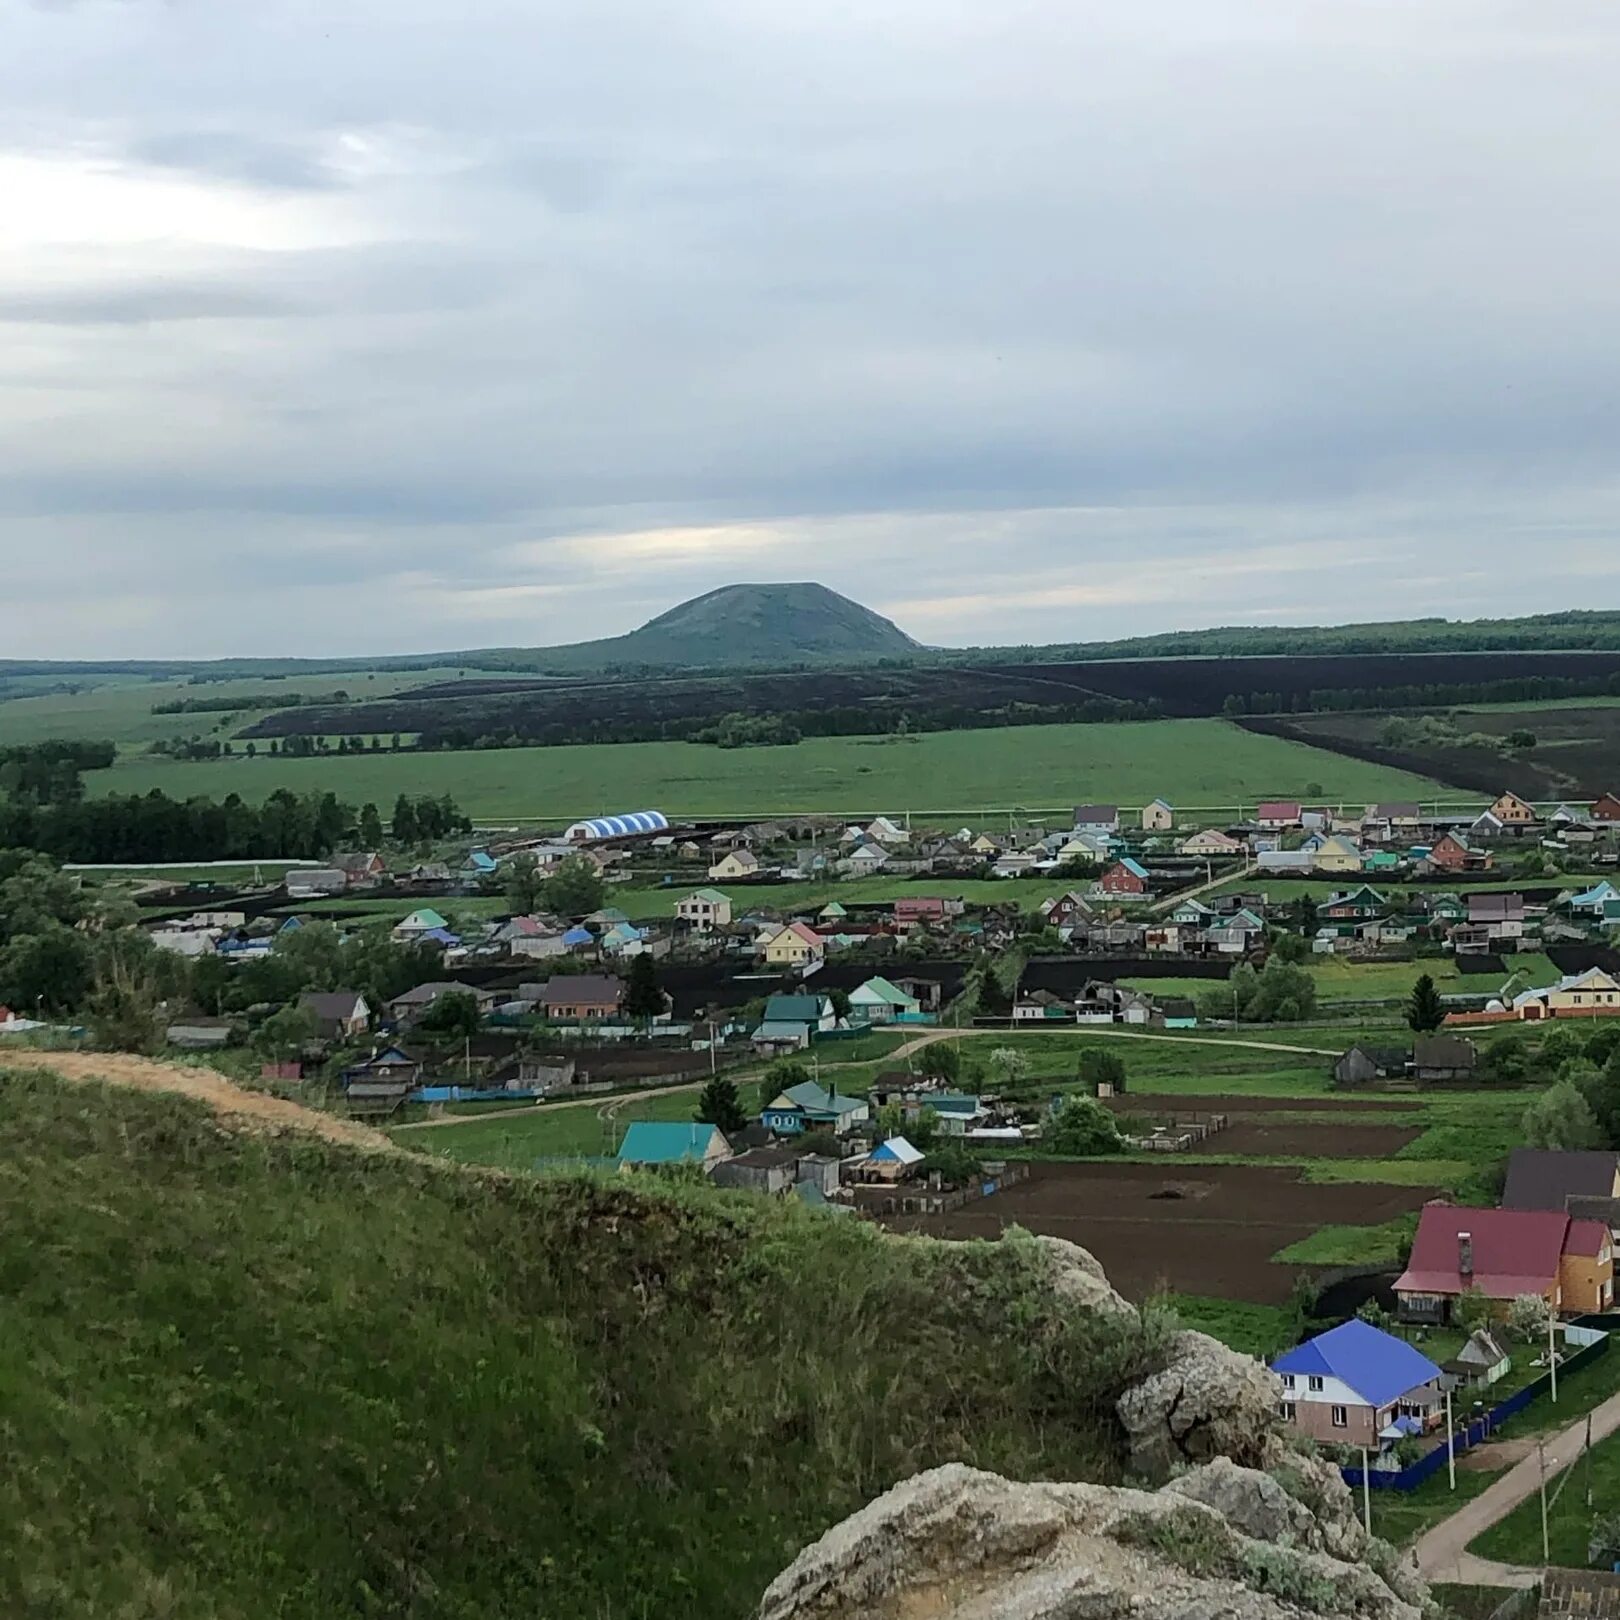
(1288, 1380)
(1341, 1418)
(1314, 1385)
(1289, 1411)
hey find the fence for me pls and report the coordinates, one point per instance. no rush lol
(1476, 1430)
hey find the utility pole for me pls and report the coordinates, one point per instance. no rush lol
(1366, 1491)
(1588, 1449)
(1451, 1445)
(1541, 1463)
(1552, 1354)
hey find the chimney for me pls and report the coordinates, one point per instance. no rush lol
(1465, 1254)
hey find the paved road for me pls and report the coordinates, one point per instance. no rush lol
(1443, 1554)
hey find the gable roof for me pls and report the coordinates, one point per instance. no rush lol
(1539, 1178)
(1134, 867)
(878, 988)
(897, 1150)
(333, 1003)
(813, 1099)
(712, 896)
(1099, 814)
(1278, 810)
(1516, 1251)
(651, 1141)
(426, 917)
(789, 1009)
(1377, 1366)
(566, 988)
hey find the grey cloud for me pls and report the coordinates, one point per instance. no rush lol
(233, 155)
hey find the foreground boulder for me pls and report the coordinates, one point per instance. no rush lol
(959, 1544)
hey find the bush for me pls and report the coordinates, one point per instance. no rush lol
(1082, 1125)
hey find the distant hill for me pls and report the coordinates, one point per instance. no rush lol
(744, 624)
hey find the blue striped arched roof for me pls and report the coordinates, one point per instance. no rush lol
(625, 826)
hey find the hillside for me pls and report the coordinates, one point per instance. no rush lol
(251, 1375)
(743, 624)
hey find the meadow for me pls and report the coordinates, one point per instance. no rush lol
(976, 775)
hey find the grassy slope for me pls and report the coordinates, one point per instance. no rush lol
(249, 1377)
(967, 773)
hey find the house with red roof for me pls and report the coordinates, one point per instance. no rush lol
(1128, 878)
(1276, 814)
(1503, 1254)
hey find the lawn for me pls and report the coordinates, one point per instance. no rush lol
(553, 1130)
(978, 775)
(1262, 1331)
(1352, 1245)
(1517, 1538)
(1339, 980)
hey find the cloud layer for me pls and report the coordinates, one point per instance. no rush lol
(344, 328)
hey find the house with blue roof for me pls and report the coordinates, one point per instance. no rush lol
(809, 1107)
(656, 1144)
(479, 864)
(1356, 1385)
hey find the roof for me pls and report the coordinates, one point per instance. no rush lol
(333, 1003)
(1134, 867)
(1095, 813)
(1481, 1350)
(712, 896)
(879, 988)
(572, 987)
(426, 917)
(897, 1150)
(1516, 1251)
(1444, 1052)
(1278, 810)
(1379, 1367)
(651, 1141)
(632, 822)
(1396, 810)
(1540, 1178)
(794, 1009)
(480, 859)
(578, 936)
(813, 1099)
(1586, 1238)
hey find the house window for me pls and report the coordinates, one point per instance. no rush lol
(1341, 1418)
(1289, 1411)
(1288, 1380)
(1314, 1385)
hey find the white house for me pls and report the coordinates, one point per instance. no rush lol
(735, 863)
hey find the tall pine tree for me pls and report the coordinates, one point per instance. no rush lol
(1424, 1010)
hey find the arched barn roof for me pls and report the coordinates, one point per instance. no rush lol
(625, 826)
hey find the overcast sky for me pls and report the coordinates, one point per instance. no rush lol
(340, 327)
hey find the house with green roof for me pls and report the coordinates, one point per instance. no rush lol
(650, 1143)
(810, 1107)
(880, 1002)
(791, 1022)
(418, 925)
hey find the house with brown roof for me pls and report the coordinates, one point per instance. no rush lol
(581, 997)
(1504, 1254)
(1544, 1178)
(1277, 814)
(1607, 809)
(340, 1015)
(1512, 811)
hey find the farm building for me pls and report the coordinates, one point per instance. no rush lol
(633, 824)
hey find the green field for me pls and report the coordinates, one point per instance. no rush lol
(972, 774)
(119, 707)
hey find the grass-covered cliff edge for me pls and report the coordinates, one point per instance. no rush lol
(245, 1375)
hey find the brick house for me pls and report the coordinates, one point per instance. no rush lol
(580, 997)
(1127, 877)
(1346, 1386)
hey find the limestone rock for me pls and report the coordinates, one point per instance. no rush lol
(959, 1544)
(1208, 1402)
(1078, 1278)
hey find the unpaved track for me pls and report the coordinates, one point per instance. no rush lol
(250, 1110)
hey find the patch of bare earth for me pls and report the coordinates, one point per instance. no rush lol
(247, 1110)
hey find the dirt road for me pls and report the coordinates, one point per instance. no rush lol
(1443, 1554)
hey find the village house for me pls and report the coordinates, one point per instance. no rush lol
(1236, 935)
(880, 1002)
(195, 1033)
(1352, 905)
(379, 1084)
(1277, 815)
(1124, 879)
(1451, 854)
(893, 1160)
(1016, 863)
(794, 945)
(478, 866)
(1504, 1254)
(1606, 809)
(1542, 1178)
(315, 882)
(416, 1001)
(1066, 911)
(1385, 823)
(340, 1015)
(1592, 994)
(1212, 842)
(1512, 811)
(791, 1021)
(1100, 820)
(1501, 916)
(1158, 817)
(924, 909)
(1364, 1064)
(1356, 1385)
(885, 831)
(418, 925)
(734, 864)
(1336, 853)
(809, 1107)
(866, 859)
(656, 1144)
(1440, 1058)
(777, 1171)
(579, 998)
(361, 869)
(1481, 1362)
(704, 910)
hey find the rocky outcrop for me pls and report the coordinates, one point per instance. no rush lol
(958, 1544)
(1207, 1402)
(1247, 1528)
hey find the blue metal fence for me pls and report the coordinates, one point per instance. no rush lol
(1473, 1432)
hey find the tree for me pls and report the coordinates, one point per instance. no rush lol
(575, 888)
(48, 970)
(822, 1143)
(643, 999)
(1601, 1089)
(1291, 948)
(840, 1004)
(1375, 1315)
(1082, 1125)
(782, 1076)
(1471, 1310)
(923, 1129)
(285, 1034)
(1561, 1120)
(1527, 1319)
(1424, 1011)
(524, 884)
(955, 1162)
(1504, 1062)
(404, 826)
(1010, 1064)
(1098, 1068)
(126, 1001)
(718, 1104)
(210, 979)
(371, 827)
(939, 1060)
(454, 1014)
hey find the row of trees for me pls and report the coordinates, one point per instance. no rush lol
(1331, 700)
(49, 772)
